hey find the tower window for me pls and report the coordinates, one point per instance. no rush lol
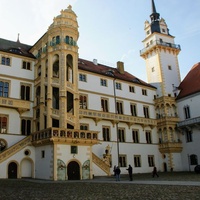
(169, 67)
(163, 30)
(148, 32)
(153, 69)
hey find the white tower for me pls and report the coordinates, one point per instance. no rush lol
(160, 54)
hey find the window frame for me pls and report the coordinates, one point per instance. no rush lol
(106, 133)
(135, 136)
(103, 82)
(122, 160)
(151, 160)
(137, 161)
(82, 77)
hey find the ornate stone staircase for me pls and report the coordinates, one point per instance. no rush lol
(101, 164)
(15, 148)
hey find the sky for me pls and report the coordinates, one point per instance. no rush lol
(110, 30)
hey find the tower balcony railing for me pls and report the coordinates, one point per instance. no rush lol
(160, 43)
(189, 122)
(65, 135)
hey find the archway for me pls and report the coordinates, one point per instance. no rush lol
(12, 170)
(165, 166)
(73, 171)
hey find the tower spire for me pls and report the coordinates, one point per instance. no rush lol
(153, 6)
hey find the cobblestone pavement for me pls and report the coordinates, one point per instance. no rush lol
(101, 188)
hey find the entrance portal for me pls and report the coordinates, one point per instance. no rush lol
(73, 171)
(12, 170)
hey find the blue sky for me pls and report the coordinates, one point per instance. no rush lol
(110, 30)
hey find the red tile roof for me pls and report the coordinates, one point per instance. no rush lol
(109, 71)
(191, 83)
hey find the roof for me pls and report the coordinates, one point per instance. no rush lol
(15, 48)
(191, 83)
(110, 71)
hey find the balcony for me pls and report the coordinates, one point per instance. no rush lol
(18, 104)
(162, 44)
(115, 118)
(170, 147)
(189, 122)
(65, 136)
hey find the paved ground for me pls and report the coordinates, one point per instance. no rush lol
(168, 186)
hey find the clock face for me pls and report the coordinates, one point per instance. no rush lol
(2, 145)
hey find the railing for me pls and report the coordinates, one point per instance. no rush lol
(170, 147)
(15, 148)
(117, 117)
(188, 122)
(157, 42)
(69, 135)
(15, 103)
(101, 164)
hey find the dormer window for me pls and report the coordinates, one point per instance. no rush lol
(163, 30)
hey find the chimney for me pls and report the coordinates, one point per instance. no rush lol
(95, 61)
(120, 67)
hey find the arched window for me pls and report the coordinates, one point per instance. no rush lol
(69, 71)
(56, 66)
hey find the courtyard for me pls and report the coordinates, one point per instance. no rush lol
(171, 185)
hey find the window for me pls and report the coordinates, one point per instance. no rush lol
(43, 154)
(133, 109)
(163, 30)
(187, 112)
(84, 127)
(74, 149)
(25, 92)
(26, 127)
(148, 32)
(132, 89)
(121, 135)
(4, 89)
(55, 98)
(169, 67)
(193, 159)
(144, 92)
(39, 71)
(161, 41)
(151, 160)
(153, 69)
(118, 86)
(83, 102)
(137, 161)
(104, 105)
(26, 65)
(3, 124)
(106, 134)
(119, 107)
(148, 137)
(188, 136)
(146, 111)
(82, 77)
(135, 134)
(5, 61)
(122, 160)
(103, 82)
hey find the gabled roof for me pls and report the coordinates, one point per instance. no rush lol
(110, 71)
(15, 48)
(191, 83)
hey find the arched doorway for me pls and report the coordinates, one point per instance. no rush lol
(12, 170)
(165, 166)
(73, 171)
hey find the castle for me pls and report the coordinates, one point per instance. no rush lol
(66, 118)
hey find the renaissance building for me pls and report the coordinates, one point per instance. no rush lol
(66, 118)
